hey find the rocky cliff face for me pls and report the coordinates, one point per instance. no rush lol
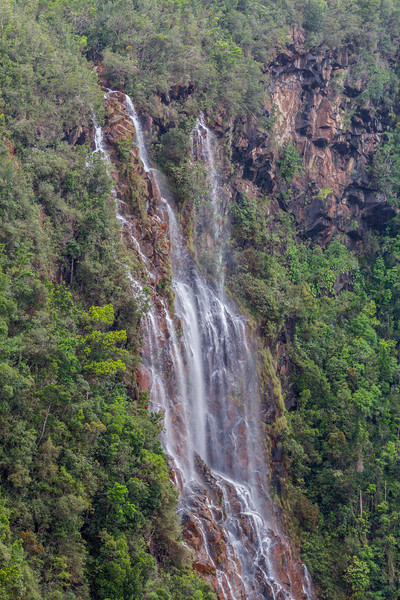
(311, 101)
(308, 101)
(137, 196)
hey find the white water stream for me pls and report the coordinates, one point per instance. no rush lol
(204, 380)
(211, 233)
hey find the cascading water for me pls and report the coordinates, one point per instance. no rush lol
(203, 143)
(204, 381)
(210, 233)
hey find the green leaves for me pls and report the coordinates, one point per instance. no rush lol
(357, 575)
(100, 349)
(386, 166)
(290, 162)
(16, 579)
(123, 509)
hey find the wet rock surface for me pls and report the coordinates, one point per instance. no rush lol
(137, 194)
(208, 530)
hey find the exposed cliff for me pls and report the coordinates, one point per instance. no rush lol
(312, 98)
(310, 104)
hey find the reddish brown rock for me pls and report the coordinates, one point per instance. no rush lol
(310, 108)
(143, 379)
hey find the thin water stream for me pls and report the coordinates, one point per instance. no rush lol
(203, 369)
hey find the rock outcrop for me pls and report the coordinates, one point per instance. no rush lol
(310, 105)
(137, 196)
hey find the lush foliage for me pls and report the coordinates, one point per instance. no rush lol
(386, 166)
(340, 317)
(87, 510)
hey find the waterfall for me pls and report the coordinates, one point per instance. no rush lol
(204, 380)
(203, 144)
(211, 247)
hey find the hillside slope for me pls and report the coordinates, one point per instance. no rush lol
(303, 100)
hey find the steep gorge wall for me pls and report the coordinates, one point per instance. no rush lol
(311, 101)
(307, 104)
(206, 522)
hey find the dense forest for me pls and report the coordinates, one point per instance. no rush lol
(87, 509)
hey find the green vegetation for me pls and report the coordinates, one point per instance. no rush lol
(290, 162)
(386, 166)
(87, 510)
(341, 318)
